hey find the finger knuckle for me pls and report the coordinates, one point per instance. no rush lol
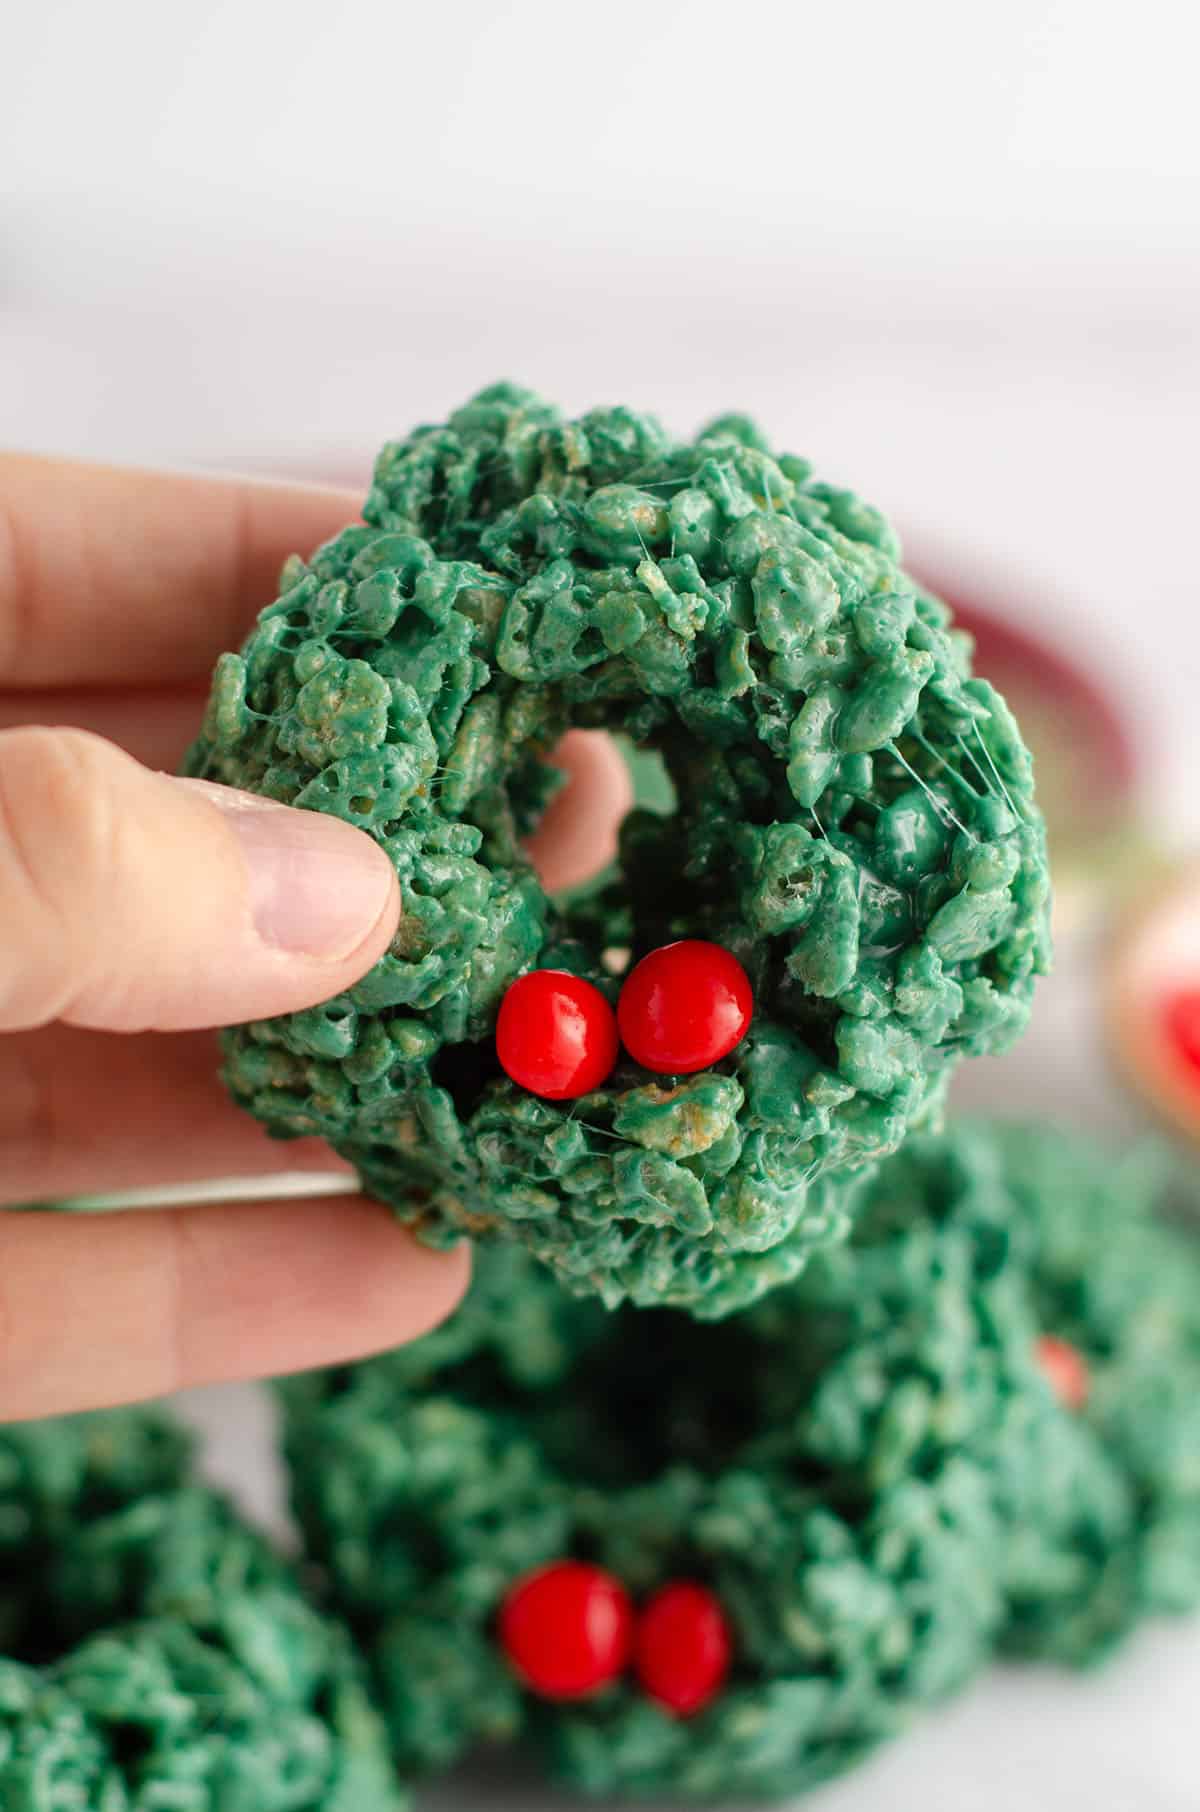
(57, 834)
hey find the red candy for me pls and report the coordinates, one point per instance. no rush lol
(682, 1648)
(684, 1006)
(556, 1035)
(1066, 1370)
(1181, 1022)
(567, 1629)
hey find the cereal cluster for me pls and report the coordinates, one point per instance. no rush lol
(854, 821)
(157, 1653)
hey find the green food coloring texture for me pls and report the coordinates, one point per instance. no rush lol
(868, 1467)
(159, 1657)
(854, 819)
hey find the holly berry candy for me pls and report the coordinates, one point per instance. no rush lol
(556, 1035)
(567, 1629)
(684, 1006)
(682, 1647)
(1065, 1369)
(1181, 1022)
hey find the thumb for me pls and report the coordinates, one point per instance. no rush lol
(133, 901)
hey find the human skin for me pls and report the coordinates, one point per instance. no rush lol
(141, 910)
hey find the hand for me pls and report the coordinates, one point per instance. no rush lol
(138, 909)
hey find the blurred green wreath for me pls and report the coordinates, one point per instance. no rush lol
(972, 1430)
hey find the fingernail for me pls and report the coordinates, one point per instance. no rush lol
(318, 887)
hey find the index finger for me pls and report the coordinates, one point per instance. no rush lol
(107, 1308)
(112, 576)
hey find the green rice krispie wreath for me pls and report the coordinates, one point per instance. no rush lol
(157, 1655)
(975, 1428)
(853, 821)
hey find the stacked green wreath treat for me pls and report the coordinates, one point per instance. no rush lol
(854, 822)
(774, 1412)
(882, 1472)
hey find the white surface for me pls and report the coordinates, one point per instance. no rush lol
(951, 251)
(670, 120)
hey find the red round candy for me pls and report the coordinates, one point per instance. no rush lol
(1181, 1022)
(1065, 1369)
(682, 1647)
(567, 1629)
(556, 1035)
(684, 1006)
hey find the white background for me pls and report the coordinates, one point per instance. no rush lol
(951, 250)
